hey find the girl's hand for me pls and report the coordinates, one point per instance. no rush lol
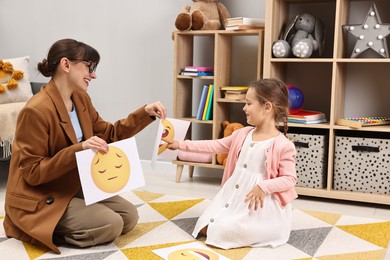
(171, 144)
(95, 143)
(255, 198)
(156, 109)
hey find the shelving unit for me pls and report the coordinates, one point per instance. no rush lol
(221, 48)
(335, 84)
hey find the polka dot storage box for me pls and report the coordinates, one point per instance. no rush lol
(311, 159)
(362, 164)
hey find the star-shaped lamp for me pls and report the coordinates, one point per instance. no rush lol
(370, 35)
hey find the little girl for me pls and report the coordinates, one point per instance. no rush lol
(253, 207)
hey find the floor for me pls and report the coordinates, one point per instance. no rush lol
(206, 187)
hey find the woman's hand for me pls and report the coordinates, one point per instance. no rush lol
(95, 143)
(255, 198)
(156, 109)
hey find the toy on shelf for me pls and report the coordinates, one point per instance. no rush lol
(228, 129)
(303, 35)
(370, 35)
(202, 15)
(295, 99)
(358, 122)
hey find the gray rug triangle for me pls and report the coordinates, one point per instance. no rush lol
(2, 239)
(139, 205)
(187, 224)
(94, 256)
(309, 240)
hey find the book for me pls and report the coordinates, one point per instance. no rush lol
(235, 96)
(245, 21)
(207, 103)
(198, 69)
(308, 121)
(358, 122)
(307, 115)
(235, 88)
(241, 27)
(209, 113)
(197, 73)
(202, 102)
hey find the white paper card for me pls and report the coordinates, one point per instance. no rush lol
(104, 175)
(195, 250)
(171, 129)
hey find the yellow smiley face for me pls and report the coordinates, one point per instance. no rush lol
(110, 171)
(193, 254)
(168, 133)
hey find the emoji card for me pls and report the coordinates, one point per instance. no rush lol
(195, 250)
(170, 129)
(104, 175)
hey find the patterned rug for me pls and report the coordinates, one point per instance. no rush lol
(167, 221)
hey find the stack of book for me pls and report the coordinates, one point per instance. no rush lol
(244, 23)
(205, 109)
(197, 71)
(234, 92)
(307, 117)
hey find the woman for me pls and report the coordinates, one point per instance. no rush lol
(44, 203)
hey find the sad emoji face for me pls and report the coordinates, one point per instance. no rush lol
(110, 171)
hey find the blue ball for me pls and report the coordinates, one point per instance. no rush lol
(295, 99)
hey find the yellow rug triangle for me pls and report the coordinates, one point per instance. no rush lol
(375, 233)
(236, 253)
(172, 209)
(329, 218)
(372, 255)
(34, 251)
(139, 230)
(147, 196)
(146, 251)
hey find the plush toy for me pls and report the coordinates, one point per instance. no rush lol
(229, 128)
(9, 76)
(304, 35)
(202, 15)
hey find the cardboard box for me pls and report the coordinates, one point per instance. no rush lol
(311, 159)
(362, 164)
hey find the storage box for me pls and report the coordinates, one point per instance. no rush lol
(362, 164)
(311, 159)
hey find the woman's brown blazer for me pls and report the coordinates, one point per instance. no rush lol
(43, 175)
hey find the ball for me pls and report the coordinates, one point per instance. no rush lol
(295, 99)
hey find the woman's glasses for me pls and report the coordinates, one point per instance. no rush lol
(91, 66)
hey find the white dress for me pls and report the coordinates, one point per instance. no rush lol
(230, 223)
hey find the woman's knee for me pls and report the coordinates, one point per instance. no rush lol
(130, 218)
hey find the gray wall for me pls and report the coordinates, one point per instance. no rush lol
(133, 38)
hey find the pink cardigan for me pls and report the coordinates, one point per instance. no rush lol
(280, 161)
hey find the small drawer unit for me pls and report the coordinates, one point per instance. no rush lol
(311, 159)
(362, 164)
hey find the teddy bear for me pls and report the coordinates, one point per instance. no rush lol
(303, 35)
(202, 15)
(229, 128)
(9, 76)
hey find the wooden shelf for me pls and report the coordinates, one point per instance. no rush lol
(220, 49)
(335, 84)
